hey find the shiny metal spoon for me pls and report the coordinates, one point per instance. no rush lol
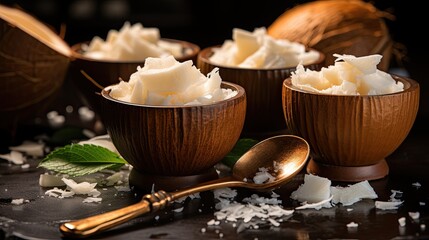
(284, 156)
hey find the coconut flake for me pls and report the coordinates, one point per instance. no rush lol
(30, 148)
(402, 222)
(314, 189)
(416, 184)
(352, 225)
(317, 206)
(47, 180)
(92, 200)
(414, 215)
(18, 201)
(14, 157)
(387, 205)
(353, 193)
(82, 188)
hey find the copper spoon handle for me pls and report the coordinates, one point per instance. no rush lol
(149, 203)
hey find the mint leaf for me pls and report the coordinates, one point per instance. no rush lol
(240, 148)
(77, 160)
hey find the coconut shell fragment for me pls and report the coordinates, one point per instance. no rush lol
(33, 65)
(336, 26)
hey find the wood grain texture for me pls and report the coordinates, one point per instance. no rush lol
(174, 140)
(107, 72)
(347, 130)
(263, 89)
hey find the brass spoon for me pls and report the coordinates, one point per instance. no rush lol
(284, 156)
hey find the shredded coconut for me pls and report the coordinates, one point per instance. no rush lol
(352, 225)
(402, 221)
(14, 157)
(18, 201)
(387, 205)
(414, 215)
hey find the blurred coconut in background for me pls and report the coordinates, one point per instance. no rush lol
(33, 65)
(336, 26)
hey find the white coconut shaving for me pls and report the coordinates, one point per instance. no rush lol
(92, 200)
(402, 221)
(48, 180)
(254, 211)
(414, 215)
(382, 205)
(83, 188)
(314, 189)
(416, 185)
(14, 157)
(18, 201)
(30, 148)
(352, 225)
(263, 176)
(353, 193)
(316, 192)
(318, 205)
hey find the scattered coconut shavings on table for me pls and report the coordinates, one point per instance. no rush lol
(254, 212)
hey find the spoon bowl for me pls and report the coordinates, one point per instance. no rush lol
(281, 156)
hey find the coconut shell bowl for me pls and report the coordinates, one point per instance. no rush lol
(350, 136)
(264, 115)
(108, 72)
(171, 147)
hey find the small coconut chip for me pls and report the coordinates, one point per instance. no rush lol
(30, 148)
(422, 227)
(263, 176)
(213, 222)
(86, 114)
(317, 206)
(352, 225)
(14, 157)
(92, 200)
(55, 120)
(47, 180)
(402, 221)
(414, 215)
(255, 210)
(314, 189)
(387, 205)
(416, 185)
(180, 209)
(18, 201)
(422, 203)
(353, 193)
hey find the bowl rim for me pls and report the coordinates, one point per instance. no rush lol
(413, 86)
(105, 93)
(207, 52)
(76, 53)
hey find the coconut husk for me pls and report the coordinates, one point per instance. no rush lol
(33, 65)
(336, 26)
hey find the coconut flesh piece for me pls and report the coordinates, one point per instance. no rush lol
(316, 192)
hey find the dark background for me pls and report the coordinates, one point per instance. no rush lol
(208, 23)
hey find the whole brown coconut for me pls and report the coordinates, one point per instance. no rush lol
(336, 26)
(33, 66)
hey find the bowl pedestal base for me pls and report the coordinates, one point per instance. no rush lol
(349, 174)
(147, 183)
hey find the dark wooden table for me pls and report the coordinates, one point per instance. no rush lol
(41, 216)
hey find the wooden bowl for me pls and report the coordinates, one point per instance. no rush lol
(174, 140)
(108, 72)
(351, 135)
(264, 115)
